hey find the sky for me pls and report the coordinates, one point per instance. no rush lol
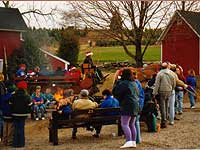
(45, 6)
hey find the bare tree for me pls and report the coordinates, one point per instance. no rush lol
(186, 5)
(130, 19)
(33, 10)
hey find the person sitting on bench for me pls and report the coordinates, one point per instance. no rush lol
(38, 102)
(108, 102)
(83, 104)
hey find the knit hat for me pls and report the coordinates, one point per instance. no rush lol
(22, 65)
(11, 88)
(89, 53)
(22, 85)
(84, 93)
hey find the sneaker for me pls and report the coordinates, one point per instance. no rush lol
(171, 123)
(128, 144)
(43, 118)
(36, 119)
(134, 143)
(192, 107)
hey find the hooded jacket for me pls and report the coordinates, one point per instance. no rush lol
(127, 94)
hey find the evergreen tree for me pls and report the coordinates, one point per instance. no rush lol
(28, 54)
(69, 46)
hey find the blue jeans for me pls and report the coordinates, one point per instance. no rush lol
(171, 106)
(37, 108)
(137, 126)
(191, 97)
(179, 101)
(19, 138)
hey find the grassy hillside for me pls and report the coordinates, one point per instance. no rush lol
(113, 54)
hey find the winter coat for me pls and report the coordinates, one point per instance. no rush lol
(165, 82)
(20, 103)
(128, 95)
(141, 94)
(84, 104)
(192, 81)
(109, 102)
(5, 107)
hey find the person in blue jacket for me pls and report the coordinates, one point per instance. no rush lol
(191, 81)
(141, 105)
(8, 129)
(108, 102)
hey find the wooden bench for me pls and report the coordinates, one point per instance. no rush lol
(99, 116)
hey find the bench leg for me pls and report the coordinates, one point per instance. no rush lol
(54, 134)
(50, 134)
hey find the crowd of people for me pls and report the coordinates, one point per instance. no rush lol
(165, 89)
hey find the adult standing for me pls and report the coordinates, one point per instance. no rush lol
(2, 92)
(20, 107)
(8, 128)
(126, 91)
(192, 81)
(172, 98)
(141, 105)
(164, 85)
(179, 92)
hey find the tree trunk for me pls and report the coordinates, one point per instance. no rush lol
(138, 56)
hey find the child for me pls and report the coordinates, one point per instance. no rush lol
(48, 97)
(38, 102)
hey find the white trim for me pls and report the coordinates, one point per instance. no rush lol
(170, 24)
(56, 57)
(188, 24)
(12, 30)
(167, 28)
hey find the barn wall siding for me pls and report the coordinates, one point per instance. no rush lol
(181, 46)
(55, 63)
(9, 40)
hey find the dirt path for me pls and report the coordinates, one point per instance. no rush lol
(184, 134)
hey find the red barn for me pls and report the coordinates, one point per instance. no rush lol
(55, 61)
(11, 27)
(181, 40)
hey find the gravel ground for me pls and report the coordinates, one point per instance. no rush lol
(184, 134)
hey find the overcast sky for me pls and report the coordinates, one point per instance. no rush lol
(46, 7)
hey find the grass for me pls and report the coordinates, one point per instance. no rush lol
(114, 54)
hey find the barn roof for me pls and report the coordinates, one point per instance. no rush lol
(55, 57)
(192, 19)
(11, 20)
